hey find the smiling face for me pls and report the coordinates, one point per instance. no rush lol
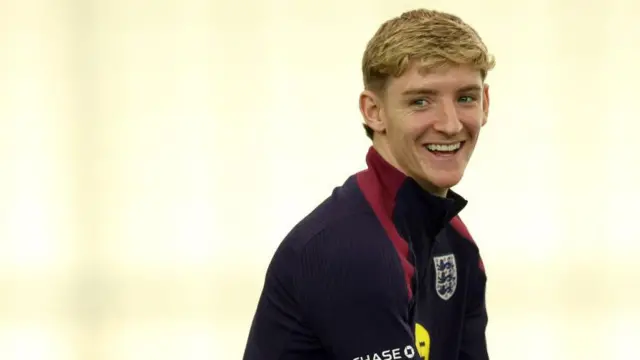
(427, 122)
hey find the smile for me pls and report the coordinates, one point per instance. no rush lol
(444, 148)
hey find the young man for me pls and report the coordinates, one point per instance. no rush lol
(384, 268)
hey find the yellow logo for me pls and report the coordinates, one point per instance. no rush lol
(423, 341)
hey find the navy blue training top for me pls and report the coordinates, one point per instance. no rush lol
(381, 270)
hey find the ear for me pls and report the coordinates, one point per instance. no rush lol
(485, 104)
(370, 108)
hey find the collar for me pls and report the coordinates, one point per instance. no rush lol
(405, 201)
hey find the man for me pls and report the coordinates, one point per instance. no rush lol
(384, 268)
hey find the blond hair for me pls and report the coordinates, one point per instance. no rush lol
(431, 37)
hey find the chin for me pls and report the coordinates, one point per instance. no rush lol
(444, 181)
(445, 184)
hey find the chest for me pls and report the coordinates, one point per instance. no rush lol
(438, 305)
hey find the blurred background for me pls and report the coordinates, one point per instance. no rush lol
(154, 153)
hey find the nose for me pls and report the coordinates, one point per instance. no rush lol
(448, 122)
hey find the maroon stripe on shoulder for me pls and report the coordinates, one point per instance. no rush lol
(383, 206)
(461, 228)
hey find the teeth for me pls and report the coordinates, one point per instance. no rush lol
(443, 147)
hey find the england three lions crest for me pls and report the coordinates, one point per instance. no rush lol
(446, 275)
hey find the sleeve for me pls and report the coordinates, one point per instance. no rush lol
(474, 343)
(277, 328)
(356, 299)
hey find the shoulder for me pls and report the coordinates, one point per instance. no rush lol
(458, 231)
(344, 216)
(340, 239)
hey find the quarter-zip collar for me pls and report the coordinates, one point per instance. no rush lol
(412, 208)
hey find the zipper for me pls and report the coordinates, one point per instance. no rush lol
(415, 281)
(428, 270)
(420, 276)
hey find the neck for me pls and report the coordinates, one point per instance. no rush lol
(382, 147)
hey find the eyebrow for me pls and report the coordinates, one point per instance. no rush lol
(430, 91)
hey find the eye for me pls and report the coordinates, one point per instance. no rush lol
(467, 99)
(420, 102)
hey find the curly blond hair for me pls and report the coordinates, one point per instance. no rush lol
(431, 37)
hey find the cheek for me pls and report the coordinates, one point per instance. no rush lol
(403, 126)
(473, 123)
(416, 125)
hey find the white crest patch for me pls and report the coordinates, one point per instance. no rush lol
(446, 275)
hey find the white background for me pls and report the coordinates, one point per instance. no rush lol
(154, 153)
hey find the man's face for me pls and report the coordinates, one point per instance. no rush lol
(428, 123)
